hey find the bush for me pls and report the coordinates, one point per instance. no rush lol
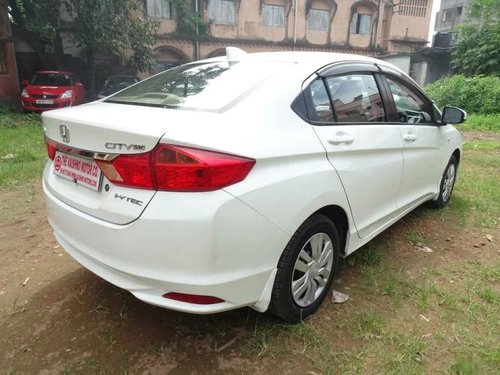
(480, 94)
(481, 123)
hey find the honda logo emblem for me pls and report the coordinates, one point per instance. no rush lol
(64, 131)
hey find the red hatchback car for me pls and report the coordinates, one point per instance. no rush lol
(51, 90)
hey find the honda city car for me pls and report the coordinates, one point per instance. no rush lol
(51, 90)
(240, 180)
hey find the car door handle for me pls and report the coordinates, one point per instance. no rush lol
(341, 138)
(410, 137)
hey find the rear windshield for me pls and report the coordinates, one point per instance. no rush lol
(202, 86)
(52, 79)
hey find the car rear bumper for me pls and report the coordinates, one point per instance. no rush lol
(222, 249)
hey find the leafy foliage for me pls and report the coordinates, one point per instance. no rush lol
(189, 24)
(36, 22)
(38, 16)
(476, 51)
(115, 26)
(480, 94)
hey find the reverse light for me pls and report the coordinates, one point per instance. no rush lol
(67, 94)
(25, 94)
(193, 298)
(177, 168)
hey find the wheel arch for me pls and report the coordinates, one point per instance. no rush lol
(339, 217)
(456, 153)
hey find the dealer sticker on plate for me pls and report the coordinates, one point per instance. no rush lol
(82, 171)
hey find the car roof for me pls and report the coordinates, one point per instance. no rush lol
(55, 72)
(309, 60)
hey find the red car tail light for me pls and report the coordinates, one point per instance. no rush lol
(129, 170)
(193, 298)
(51, 148)
(177, 168)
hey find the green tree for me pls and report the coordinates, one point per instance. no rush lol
(36, 22)
(476, 50)
(117, 26)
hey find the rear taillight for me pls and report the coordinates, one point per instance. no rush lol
(177, 168)
(51, 148)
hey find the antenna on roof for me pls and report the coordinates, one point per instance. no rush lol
(234, 53)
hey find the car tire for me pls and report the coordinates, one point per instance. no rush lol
(447, 183)
(306, 270)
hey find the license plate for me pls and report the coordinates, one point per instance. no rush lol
(44, 101)
(82, 171)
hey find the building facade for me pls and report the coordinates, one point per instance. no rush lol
(451, 14)
(368, 27)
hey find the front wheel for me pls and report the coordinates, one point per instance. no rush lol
(305, 270)
(447, 183)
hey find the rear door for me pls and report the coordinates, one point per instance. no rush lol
(365, 151)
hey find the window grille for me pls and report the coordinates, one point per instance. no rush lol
(273, 15)
(222, 11)
(361, 23)
(413, 8)
(160, 8)
(318, 19)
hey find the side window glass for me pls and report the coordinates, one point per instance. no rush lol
(411, 108)
(321, 101)
(356, 98)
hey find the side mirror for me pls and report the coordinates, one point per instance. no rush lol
(25, 82)
(453, 115)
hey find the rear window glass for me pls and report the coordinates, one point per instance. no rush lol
(202, 86)
(52, 79)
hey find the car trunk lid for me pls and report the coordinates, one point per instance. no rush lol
(86, 133)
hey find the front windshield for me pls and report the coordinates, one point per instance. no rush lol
(51, 79)
(201, 86)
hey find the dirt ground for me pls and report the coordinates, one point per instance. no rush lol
(57, 317)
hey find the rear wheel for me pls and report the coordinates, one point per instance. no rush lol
(305, 270)
(447, 183)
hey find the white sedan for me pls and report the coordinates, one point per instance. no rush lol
(240, 181)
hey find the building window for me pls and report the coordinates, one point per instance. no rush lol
(222, 11)
(160, 8)
(273, 15)
(413, 8)
(361, 23)
(3, 58)
(318, 19)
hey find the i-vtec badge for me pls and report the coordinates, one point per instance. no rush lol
(128, 199)
(124, 146)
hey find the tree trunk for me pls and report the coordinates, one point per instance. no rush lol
(91, 71)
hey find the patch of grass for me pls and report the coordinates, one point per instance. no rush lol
(367, 255)
(22, 149)
(369, 324)
(416, 238)
(476, 122)
(476, 196)
(407, 355)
